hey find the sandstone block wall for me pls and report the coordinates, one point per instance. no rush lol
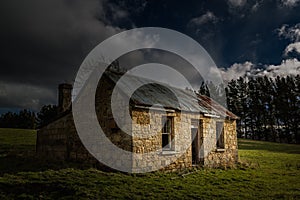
(59, 141)
(221, 157)
(210, 155)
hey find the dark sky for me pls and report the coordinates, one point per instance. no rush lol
(43, 42)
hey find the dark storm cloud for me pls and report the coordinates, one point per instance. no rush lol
(24, 95)
(43, 43)
(250, 35)
(245, 41)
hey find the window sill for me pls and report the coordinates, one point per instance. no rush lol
(220, 150)
(168, 152)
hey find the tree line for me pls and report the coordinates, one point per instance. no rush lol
(269, 109)
(26, 119)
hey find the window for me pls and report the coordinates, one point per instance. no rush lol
(220, 135)
(167, 132)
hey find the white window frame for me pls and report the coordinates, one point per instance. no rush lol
(169, 146)
(221, 137)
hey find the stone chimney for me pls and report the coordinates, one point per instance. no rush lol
(64, 96)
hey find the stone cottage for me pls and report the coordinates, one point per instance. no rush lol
(208, 128)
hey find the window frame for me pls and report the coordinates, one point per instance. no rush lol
(220, 137)
(169, 132)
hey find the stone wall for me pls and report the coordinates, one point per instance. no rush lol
(147, 137)
(222, 157)
(106, 118)
(210, 155)
(59, 141)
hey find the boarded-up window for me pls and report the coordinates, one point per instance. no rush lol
(220, 135)
(167, 131)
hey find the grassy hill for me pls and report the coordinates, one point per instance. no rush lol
(266, 171)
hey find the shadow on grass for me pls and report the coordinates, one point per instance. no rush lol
(23, 158)
(32, 190)
(19, 163)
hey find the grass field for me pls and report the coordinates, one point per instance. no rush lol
(267, 171)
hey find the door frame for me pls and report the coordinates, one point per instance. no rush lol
(196, 128)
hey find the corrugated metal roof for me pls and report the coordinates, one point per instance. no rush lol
(205, 101)
(169, 97)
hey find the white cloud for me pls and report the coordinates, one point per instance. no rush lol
(117, 12)
(203, 19)
(286, 68)
(236, 70)
(292, 47)
(247, 69)
(237, 3)
(291, 33)
(289, 3)
(289, 66)
(255, 7)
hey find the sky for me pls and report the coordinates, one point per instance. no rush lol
(44, 42)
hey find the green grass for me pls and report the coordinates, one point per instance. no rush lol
(267, 171)
(17, 141)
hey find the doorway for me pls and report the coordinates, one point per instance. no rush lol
(195, 149)
(197, 141)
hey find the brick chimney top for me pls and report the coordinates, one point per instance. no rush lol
(64, 96)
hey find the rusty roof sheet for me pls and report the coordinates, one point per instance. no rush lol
(169, 97)
(209, 103)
